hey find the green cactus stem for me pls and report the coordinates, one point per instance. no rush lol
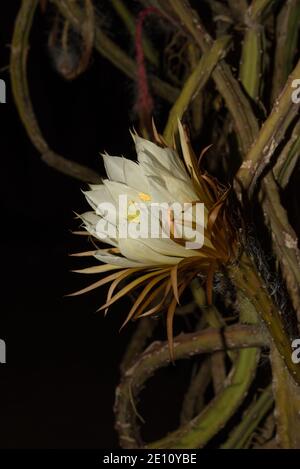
(287, 404)
(287, 31)
(236, 101)
(285, 240)
(288, 158)
(242, 434)
(195, 83)
(246, 278)
(215, 415)
(270, 135)
(194, 398)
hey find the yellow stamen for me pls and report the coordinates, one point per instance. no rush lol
(144, 197)
(133, 215)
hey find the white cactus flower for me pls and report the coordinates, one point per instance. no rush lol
(164, 266)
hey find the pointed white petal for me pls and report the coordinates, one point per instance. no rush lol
(93, 223)
(168, 247)
(181, 190)
(117, 188)
(103, 204)
(98, 196)
(114, 167)
(134, 176)
(168, 158)
(116, 260)
(136, 250)
(158, 191)
(122, 170)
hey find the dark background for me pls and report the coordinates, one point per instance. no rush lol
(57, 388)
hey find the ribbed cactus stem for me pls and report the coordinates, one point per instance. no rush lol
(251, 62)
(270, 135)
(246, 278)
(195, 82)
(287, 33)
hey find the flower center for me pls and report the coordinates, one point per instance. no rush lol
(133, 213)
(133, 210)
(144, 197)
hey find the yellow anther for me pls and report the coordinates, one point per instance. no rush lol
(144, 197)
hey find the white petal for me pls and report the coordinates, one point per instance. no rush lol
(92, 223)
(106, 232)
(136, 250)
(168, 158)
(181, 190)
(121, 169)
(167, 247)
(134, 176)
(117, 188)
(103, 204)
(114, 167)
(116, 260)
(98, 196)
(124, 197)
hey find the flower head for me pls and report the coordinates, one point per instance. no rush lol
(160, 265)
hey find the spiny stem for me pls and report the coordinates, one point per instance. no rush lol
(259, 8)
(246, 278)
(197, 105)
(287, 31)
(258, 409)
(270, 135)
(251, 61)
(288, 158)
(251, 67)
(236, 101)
(193, 401)
(194, 84)
(284, 239)
(287, 403)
